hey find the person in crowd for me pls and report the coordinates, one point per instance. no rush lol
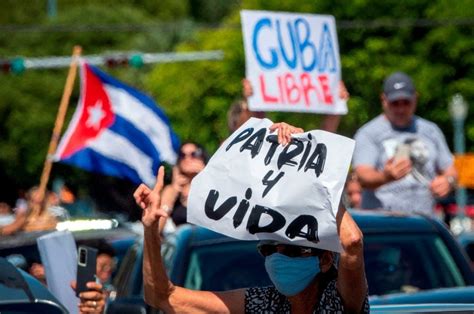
(54, 206)
(306, 279)
(105, 266)
(6, 214)
(37, 270)
(239, 111)
(352, 192)
(191, 160)
(402, 160)
(34, 203)
(21, 212)
(76, 206)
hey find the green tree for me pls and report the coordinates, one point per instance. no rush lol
(376, 38)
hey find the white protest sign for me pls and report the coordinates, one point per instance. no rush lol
(254, 188)
(59, 257)
(292, 61)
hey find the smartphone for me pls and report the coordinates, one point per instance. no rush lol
(402, 152)
(86, 267)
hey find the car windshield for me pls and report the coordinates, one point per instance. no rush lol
(408, 263)
(226, 266)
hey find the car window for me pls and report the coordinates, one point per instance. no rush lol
(226, 266)
(408, 263)
(126, 279)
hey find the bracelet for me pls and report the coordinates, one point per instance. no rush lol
(452, 182)
(166, 208)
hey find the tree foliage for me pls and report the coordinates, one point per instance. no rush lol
(429, 39)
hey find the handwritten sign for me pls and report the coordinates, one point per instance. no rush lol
(292, 62)
(254, 188)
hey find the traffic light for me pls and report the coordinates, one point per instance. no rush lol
(134, 60)
(15, 65)
(116, 61)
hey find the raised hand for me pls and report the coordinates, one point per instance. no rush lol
(284, 131)
(343, 92)
(179, 180)
(150, 200)
(247, 89)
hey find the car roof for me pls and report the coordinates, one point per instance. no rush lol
(394, 222)
(29, 238)
(370, 221)
(442, 295)
(19, 290)
(466, 237)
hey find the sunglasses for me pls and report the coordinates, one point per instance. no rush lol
(288, 250)
(197, 154)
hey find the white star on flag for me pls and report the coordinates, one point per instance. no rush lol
(96, 114)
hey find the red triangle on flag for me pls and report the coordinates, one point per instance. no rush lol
(95, 116)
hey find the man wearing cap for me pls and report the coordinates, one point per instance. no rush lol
(402, 161)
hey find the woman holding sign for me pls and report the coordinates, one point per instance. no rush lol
(305, 279)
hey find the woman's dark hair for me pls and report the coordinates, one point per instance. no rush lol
(203, 153)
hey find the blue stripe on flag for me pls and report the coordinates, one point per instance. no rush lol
(128, 130)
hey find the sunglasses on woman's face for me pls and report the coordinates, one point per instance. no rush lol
(197, 154)
(288, 250)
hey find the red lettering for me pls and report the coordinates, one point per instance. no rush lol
(307, 86)
(323, 80)
(266, 98)
(291, 89)
(296, 90)
(280, 88)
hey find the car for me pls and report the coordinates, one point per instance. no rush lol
(194, 247)
(423, 308)
(460, 295)
(410, 252)
(22, 293)
(466, 239)
(403, 253)
(22, 250)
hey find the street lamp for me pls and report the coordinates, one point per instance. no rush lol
(458, 111)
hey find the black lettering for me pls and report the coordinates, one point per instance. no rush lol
(240, 137)
(278, 221)
(270, 183)
(319, 155)
(295, 229)
(242, 209)
(255, 142)
(306, 153)
(222, 210)
(273, 139)
(286, 156)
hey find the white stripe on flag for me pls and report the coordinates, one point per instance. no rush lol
(144, 119)
(116, 147)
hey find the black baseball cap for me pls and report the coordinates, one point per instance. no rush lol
(398, 86)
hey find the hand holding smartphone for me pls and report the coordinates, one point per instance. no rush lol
(402, 152)
(86, 267)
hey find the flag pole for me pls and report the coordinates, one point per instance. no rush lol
(68, 87)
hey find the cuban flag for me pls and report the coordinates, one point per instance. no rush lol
(117, 130)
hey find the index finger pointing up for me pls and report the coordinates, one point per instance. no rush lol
(159, 179)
